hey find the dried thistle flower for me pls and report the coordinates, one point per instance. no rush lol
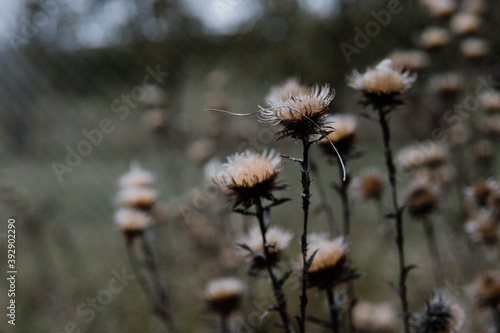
(474, 48)
(369, 317)
(442, 315)
(482, 228)
(478, 194)
(421, 199)
(300, 114)
(440, 8)
(416, 156)
(465, 23)
(434, 38)
(475, 6)
(448, 84)
(491, 125)
(485, 288)
(140, 198)
(343, 135)
(136, 177)
(247, 176)
(277, 239)
(201, 150)
(490, 101)
(412, 61)
(155, 120)
(382, 84)
(369, 185)
(224, 295)
(330, 266)
(132, 221)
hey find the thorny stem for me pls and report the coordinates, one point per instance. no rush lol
(434, 252)
(334, 312)
(278, 292)
(324, 200)
(306, 195)
(398, 215)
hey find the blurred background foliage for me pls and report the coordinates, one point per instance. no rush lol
(64, 63)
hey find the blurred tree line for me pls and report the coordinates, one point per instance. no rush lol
(284, 40)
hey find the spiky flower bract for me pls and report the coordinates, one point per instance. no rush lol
(442, 315)
(248, 176)
(330, 265)
(224, 295)
(277, 239)
(381, 85)
(301, 112)
(343, 134)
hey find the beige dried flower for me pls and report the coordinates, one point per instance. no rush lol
(440, 8)
(247, 176)
(486, 288)
(224, 295)
(343, 134)
(434, 38)
(136, 177)
(369, 185)
(490, 101)
(330, 266)
(131, 220)
(279, 240)
(412, 61)
(482, 228)
(421, 199)
(474, 48)
(300, 114)
(141, 198)
(465, 23)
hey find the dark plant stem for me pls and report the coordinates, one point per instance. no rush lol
(306, 195)
(224, 326)
(346, 208)
(434, 252)
(324, 200)
(278, 292)
(346, 214)
(334, 312)
(162, 309)
(496, 316)
(398, 216)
